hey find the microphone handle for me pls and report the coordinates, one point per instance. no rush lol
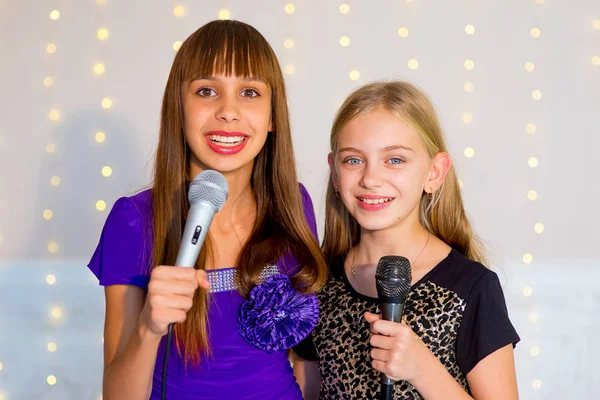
(389, 312)
(199, 217)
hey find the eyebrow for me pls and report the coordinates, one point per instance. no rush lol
(384, 150)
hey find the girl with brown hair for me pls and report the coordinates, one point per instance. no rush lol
(224, 109)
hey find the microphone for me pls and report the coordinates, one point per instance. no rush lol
(207, 194)
(392, 278)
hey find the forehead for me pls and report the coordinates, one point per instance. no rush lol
(376, 130)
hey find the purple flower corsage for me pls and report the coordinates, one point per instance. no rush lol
(277, 317)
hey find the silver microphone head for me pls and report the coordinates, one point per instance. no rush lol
(209, 186)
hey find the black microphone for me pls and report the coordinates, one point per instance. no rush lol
(392, 278)
(207, 194)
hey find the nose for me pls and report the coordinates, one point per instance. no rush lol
(227, 110)
(371, 178)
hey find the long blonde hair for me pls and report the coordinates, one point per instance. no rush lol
(443, 215)
(227, 47)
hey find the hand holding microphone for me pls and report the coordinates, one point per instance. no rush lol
(171, 289)
(397, 352)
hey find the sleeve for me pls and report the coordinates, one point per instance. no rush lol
(485, 326)
(306, 349)
(309, 211)
(120, 257)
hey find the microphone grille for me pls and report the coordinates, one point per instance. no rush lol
(393, 277)
(210, 186)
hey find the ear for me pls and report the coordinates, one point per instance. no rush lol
(331, 162)
(437, 173)
(270, 129)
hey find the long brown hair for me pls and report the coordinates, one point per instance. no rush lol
(443, 215)
(228, 47)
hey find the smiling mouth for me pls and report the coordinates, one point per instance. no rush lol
(227, 141)
(376, 201)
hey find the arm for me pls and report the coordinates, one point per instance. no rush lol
(135, 324)
(308, 377)
(494, 377)
(129, 349)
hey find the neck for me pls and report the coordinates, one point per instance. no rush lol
(405, 239)
(239, 210)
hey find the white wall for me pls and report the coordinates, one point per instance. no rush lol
(137, 55)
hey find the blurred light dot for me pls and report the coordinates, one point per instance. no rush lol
(413, 64)
(50, 148)
(102, 338)
(100, 137)
(2, 396)
(289, 69)
(224, 14)
(50, 279)
(177, 45)
(469, 152)
(102, 34)
(106, 171)
(51, 347)
(51, 380)
(48, 81)
(469, 29)
(536, 95)
(529, 67)
(289, 8)
(354, 75)
(100, 2)
(99, 397)
(51, 48)
(1, 366)
(99, 68)
(533, 162)
(536, 384)
(534, 351)
(179, 11)
(596, 61)
(345, 41)
(535, 32)
(56, 312)
(540, 1)
(527, 258)
(531, 129)
(403, 32)
(54, 15)
(527, 291)
(460, 183)
(344, 8)
(100, 205)
(55, 181)
(532, 317)
(288, 44)
(538, 228)
(48, 215)
(106, 103)
(52, 247)
(532, 195)
(467, 118)
(469, 65)
(468, 87)
(596, 24)
(54, 115)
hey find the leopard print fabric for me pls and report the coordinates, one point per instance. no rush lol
(342, 336)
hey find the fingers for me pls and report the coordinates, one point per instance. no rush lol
(389, 328)
(202, 279)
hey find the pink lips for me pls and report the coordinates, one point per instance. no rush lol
(373, 207)
(226, 149)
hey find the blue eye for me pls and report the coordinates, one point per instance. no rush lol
(352, 161)
(395, 161)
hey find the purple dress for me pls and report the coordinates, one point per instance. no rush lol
(237, 369)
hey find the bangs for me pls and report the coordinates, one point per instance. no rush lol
(228, 48)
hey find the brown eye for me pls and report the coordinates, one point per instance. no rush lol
(249, 93)
(206, 92)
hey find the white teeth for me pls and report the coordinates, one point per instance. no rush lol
(375, 201)
(226, 141)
